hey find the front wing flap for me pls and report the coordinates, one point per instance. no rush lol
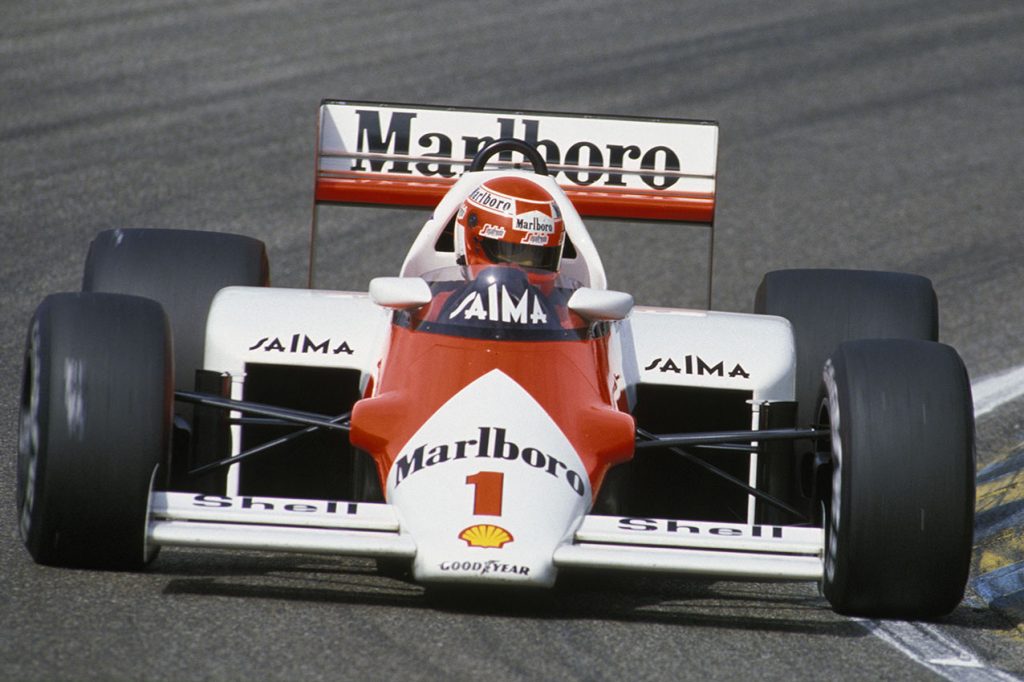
(726, 550)
(277, 524)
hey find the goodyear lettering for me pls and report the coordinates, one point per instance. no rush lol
(491, 443)
(695, 365)
(605, 163)
(483, 567)
(302, 344)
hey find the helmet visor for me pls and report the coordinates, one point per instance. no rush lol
(526, 255)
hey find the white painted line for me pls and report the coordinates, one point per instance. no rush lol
(996, 390)
(928, 645)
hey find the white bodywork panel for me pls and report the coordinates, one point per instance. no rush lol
(707, 349)
(293, 327)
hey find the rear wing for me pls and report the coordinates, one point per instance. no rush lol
(625, 168)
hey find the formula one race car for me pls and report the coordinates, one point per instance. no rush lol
(503, 424)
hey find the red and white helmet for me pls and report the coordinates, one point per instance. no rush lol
(510, 219)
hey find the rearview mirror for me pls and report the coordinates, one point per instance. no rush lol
(598, 305)
(399, 293)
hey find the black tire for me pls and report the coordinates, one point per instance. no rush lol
(826, 308)
(94, 428)
(180, 269)
(899, 528)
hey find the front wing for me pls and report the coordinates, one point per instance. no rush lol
(726, 550)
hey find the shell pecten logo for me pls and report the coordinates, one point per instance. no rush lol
(486, 535)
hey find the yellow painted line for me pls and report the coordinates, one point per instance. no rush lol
(1003, 490)
(1000, 550)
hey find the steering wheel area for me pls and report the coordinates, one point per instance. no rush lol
(510, 144)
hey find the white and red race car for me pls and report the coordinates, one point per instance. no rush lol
(179, 400)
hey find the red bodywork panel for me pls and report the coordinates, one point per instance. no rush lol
(422, 371)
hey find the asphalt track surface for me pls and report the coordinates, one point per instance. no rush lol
(881, 135)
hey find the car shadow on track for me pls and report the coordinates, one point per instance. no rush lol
(255, 575)
(666, 600)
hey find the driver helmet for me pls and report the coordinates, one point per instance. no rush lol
(510, 219)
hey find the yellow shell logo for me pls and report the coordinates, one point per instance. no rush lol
(486, 535)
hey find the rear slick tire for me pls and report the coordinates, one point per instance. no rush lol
(827, 307)
(180, 269)
(94, 429)
(899, 524)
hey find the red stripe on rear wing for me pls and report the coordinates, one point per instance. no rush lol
(622, 168)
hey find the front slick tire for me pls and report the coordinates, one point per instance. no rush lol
(901, 517)
(95, 421)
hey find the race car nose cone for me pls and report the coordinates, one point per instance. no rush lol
(513, 487)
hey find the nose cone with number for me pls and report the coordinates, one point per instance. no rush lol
(488, 487)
